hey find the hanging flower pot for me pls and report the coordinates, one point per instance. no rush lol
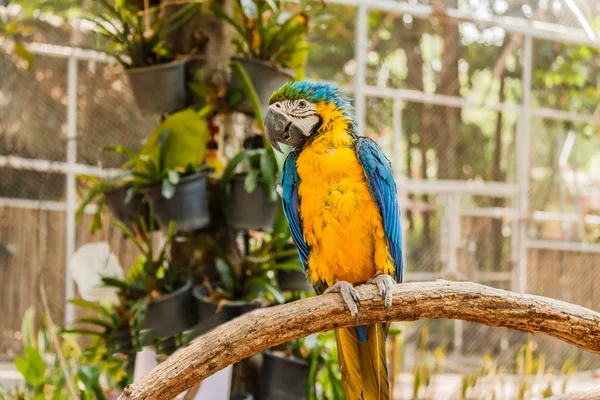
(283, 378)
(160, 88)
(250, 211)
(188, 207)
(172, 313)
(127, 212)
(265, 77)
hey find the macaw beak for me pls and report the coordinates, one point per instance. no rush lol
(277, 127)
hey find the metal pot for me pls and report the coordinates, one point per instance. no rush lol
(172, 313)
(188, 207)
(250, 211)
(159, 89)
(283, 378)
(266, 79)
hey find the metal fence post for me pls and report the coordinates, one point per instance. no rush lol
(523, 149)
(71, 201)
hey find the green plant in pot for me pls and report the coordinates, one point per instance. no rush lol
(138, 40)
(163, 290)
(113, 333)
(250, 195)
(118, 192)
(171, 171)
(270, 43)
(245, 283)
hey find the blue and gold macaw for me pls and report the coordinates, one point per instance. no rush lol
(340, 199)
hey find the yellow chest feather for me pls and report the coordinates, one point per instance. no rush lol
(341, 221)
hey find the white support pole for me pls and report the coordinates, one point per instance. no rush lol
(523, 150)
(71, 200)
(452, 217)
(360, 55)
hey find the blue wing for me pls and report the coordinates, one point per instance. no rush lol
(381, 183)
(289, 182)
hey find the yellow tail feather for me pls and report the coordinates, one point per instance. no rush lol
(363, 365)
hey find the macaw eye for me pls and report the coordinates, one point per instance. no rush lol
(302, 104)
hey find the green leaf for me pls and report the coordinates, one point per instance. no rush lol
(94, 321)
(82, 332)
(226, 274)
(31, 366)
(268, 170)
(233, 163)
(184, 147)
(130, 234)
(289, 266)
(249, 8)
(240, 73)
(219, 12)
(168, 189)
(235, 96)
(28, 328)
(275, 292)
(251, 180)
(24, 54)
(90, 306)
(273, 5)
(116, 283)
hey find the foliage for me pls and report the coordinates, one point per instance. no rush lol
(132, 42)
(324, 375)
(94, 192)
(53, 366)
(266, 31)
(14, 28)
(427, 364)
(260, 162)
(176, 147)
(150, 276)
(112, 329)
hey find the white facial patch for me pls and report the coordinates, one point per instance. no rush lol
(302, 113)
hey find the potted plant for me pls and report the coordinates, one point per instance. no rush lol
(251, 201)
(164, 290)
(270, 43)
(243, 286)
(170, 171)
(118, 192)
(157, 80)
(250, 195)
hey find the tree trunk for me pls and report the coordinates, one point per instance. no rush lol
(414, 79)
(449, 85)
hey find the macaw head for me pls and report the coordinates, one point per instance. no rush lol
(300, 111)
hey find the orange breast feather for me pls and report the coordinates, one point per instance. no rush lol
(341, 221)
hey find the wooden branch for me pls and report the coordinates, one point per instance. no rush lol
(265, 328)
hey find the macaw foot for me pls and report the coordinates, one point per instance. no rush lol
(385, 283)
(349, 294)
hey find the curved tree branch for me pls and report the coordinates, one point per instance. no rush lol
(265, 328)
